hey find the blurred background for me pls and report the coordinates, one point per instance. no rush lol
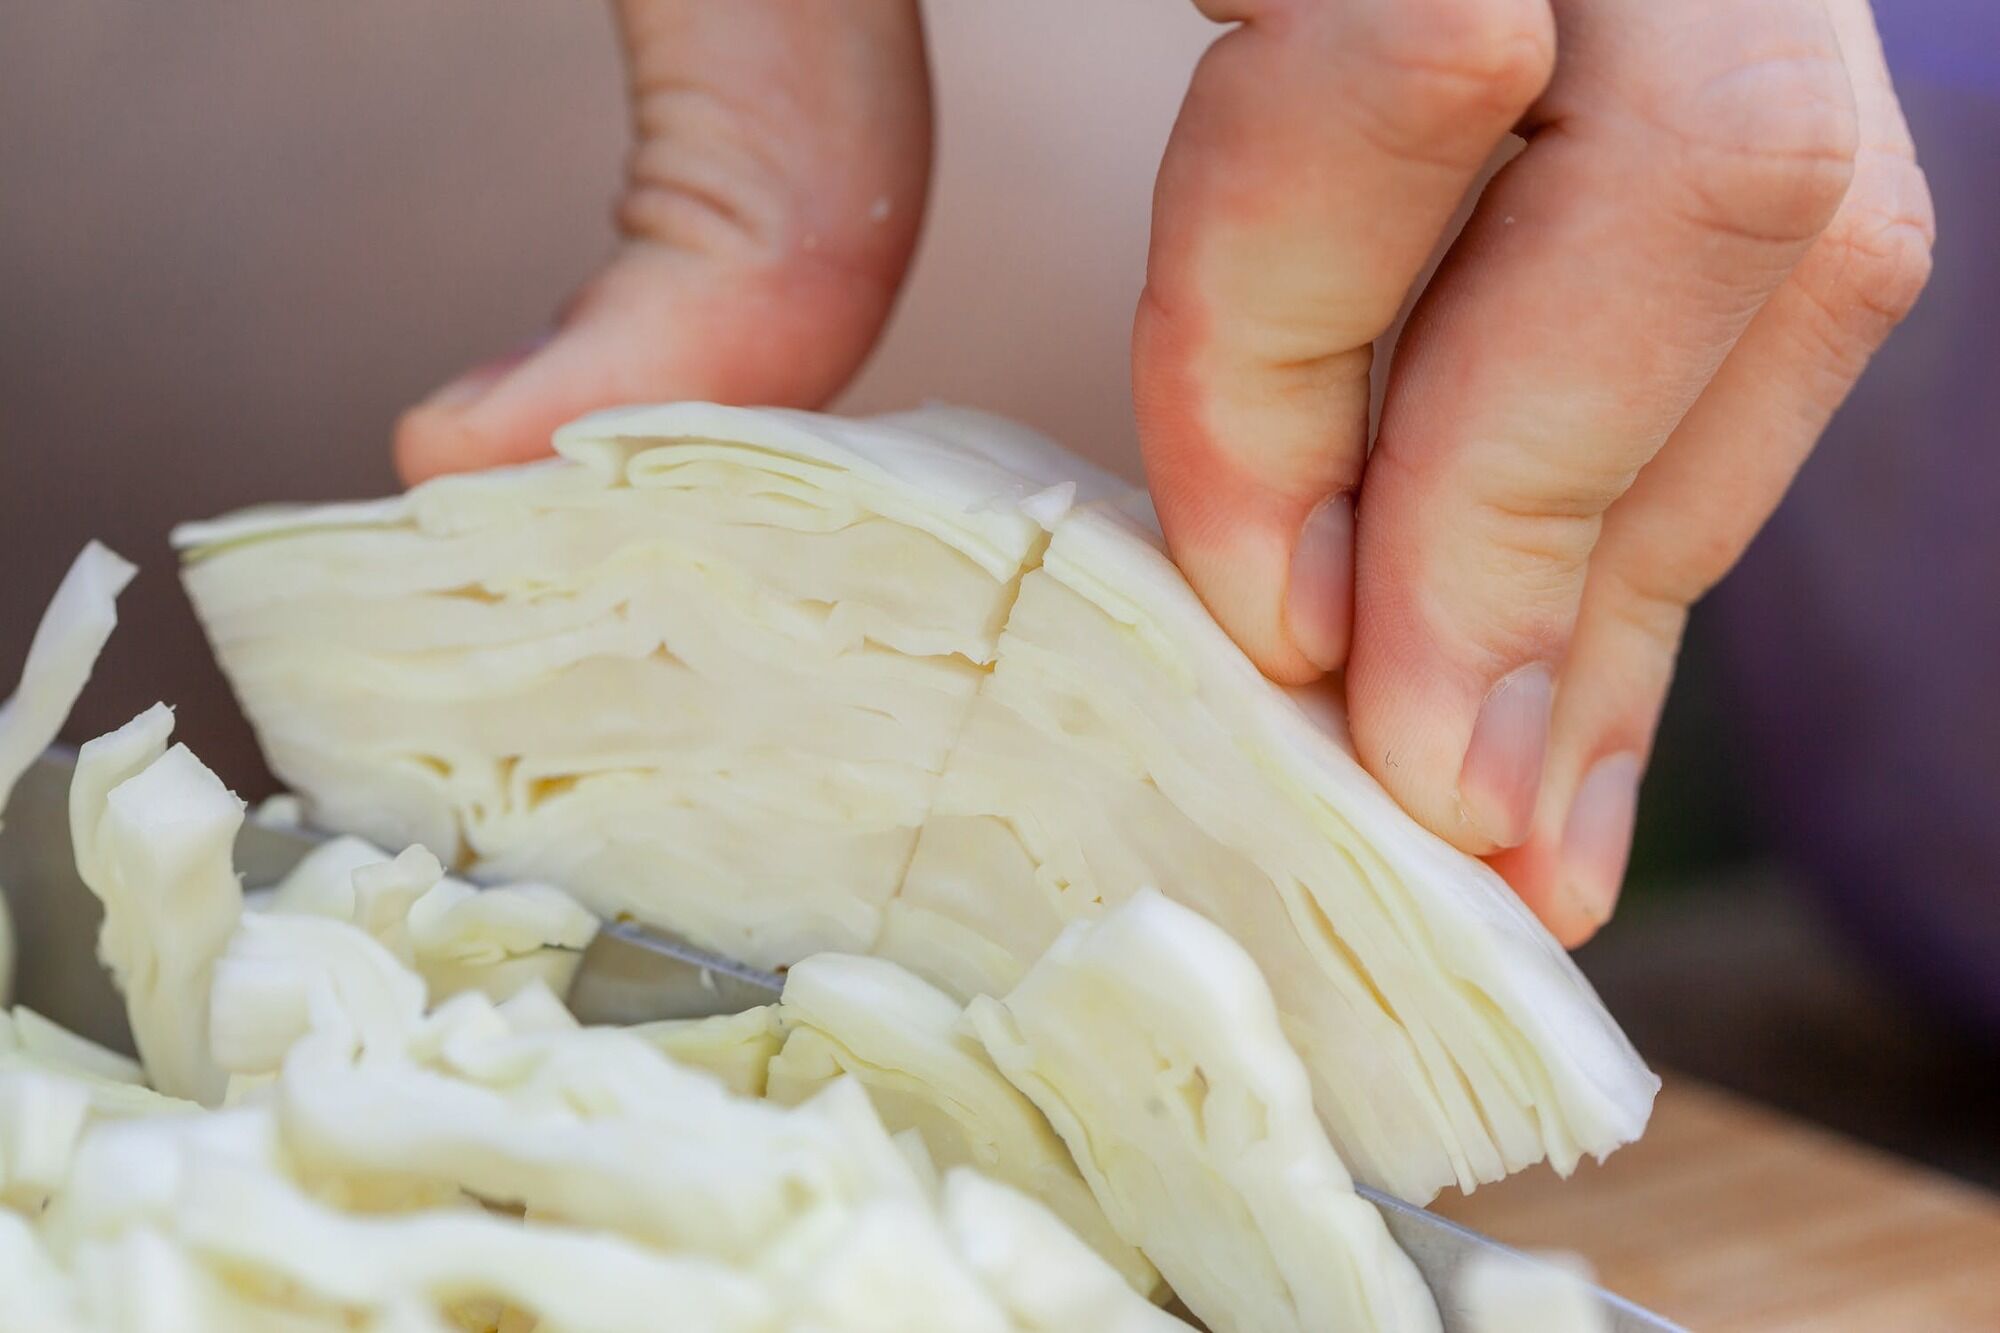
(236, 240)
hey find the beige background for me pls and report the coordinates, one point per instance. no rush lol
(236, 239)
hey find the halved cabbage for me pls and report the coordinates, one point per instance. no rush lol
(920, 686)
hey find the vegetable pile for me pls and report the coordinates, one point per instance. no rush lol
(1105, 959)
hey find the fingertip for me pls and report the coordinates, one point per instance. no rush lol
(1319, 593)
(443, 434)
(1534, 871)
(439, 437)
(1239, 575)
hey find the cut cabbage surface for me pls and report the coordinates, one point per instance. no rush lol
(922, 686)
(1152, 1044)
(900, 1038)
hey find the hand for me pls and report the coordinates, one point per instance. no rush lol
(1602, 393)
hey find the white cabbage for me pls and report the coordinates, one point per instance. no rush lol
(31, 1037)
(494, 1166)
(899, 1037)
(1047, 1277)
(72, 632)
(154, 831)
(1549, 1293)
(53, 1084)
(498, 940)
(1151, 1043)
(920, 686)
(736, 1048)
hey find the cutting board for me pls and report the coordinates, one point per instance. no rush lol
(1733, 1218)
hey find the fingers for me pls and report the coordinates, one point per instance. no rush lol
(770, 208)
(1696, 506)
(1321, 150)
(1682, 161)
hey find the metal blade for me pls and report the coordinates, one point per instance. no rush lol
(629, 974)
(634, 974)
(1442, 1250)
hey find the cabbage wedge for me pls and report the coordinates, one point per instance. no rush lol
(923, 686)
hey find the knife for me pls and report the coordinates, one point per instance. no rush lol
(629, 973)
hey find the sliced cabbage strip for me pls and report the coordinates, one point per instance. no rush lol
(458, 937)
(154, 832)
(1152, 1044)
(492, 1165)
(735, 1048)
(1546, 1293)
(900, 1038)
(920, 686)
(71, 634)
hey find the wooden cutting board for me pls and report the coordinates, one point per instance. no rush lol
(1734, 1218)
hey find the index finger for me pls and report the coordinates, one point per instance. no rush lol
(1322, 149)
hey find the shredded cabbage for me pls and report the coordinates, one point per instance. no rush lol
(1152, 1044)
(866, 1018)
(498, 940)
(154, 831)
(71, 634)
(736, 1048)
(392, 1159)
(1548, 1293)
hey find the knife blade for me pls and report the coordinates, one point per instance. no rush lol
(629, 973)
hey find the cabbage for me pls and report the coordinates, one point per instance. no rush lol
(736, 1048)
(921, 686)
(498, 940)
(27, 1035)
(72, 632)
(396, 1164)
(61, 655)
(869, 1019)
(154, 830)
(1550, 1293)
(1152, 1044)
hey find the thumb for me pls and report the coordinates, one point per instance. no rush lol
(770, 207)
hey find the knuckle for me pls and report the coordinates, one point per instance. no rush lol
(1458, 57)
(1867, 271)
(1767, 146)
(1533, 551)
(704, 175)
(1651, 599)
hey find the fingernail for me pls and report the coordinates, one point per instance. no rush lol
(1502, 772)
(1597, 838)
(470, 387)
(1319, 593)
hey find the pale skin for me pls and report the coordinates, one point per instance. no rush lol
(1601, 395)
